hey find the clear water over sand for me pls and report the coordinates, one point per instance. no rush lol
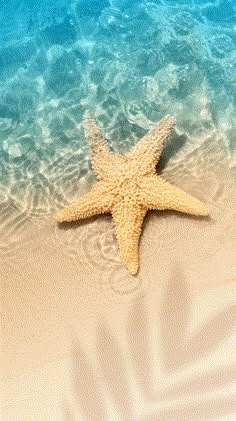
(128, 62)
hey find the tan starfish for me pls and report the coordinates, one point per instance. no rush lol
(128, 187)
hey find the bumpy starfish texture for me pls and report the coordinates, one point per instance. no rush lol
(128, 187)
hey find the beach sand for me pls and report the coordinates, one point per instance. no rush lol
(83, 339)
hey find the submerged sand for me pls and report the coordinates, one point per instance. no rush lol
(83, 338)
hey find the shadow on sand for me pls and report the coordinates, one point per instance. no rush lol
(175, 352)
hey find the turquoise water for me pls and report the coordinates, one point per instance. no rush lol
(129, 62)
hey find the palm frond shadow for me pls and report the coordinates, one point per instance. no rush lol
(113, 366)
(176, 351)
(175, 316)
(86, 386)
(213, 408)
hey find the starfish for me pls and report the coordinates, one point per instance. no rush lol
(127, 187)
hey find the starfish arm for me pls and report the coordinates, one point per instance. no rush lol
(149, 148)
(101, 153)
(97, 201)
(159, 194)
(128, 218)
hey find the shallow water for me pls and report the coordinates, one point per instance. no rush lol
(128, 62)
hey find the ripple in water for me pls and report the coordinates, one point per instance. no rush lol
(94, 243)
(183, 23)
(123, 284)
(222, 46)
(9, 120)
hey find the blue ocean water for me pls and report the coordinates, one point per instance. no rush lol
(128, 61)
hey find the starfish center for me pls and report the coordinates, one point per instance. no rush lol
(128, 187)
